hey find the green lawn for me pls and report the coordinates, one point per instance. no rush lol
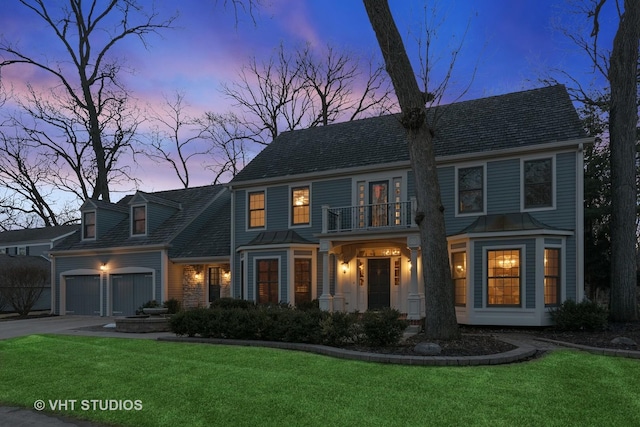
(198, 385)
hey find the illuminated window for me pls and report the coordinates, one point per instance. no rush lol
(300, 205)
(302, 280)
(538, 184)
(470, 189)
(267, 281)
(89, 225)
(139, 220)
(503, 277)
(256, 209)
(459, 276)
(551, 277)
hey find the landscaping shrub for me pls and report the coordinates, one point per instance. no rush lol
(284, 323)
(383, 328)
(172, 305)
(586, 315)
(190, 322)
(309, 305)
(339, 328)
(233, 303)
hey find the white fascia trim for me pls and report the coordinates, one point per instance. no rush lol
(109, 251)
(202, 260)
(501, 234)
(277, 246)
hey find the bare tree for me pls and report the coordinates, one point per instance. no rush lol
(91, 81)
(305, 89)
(175, 138)
(331, 82)
(270, 96)
(440, 322)
(22, 283)
(228, 144)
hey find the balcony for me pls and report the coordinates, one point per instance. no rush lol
(378, 216)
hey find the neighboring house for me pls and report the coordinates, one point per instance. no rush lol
(328, 212)
(35, 242)
(148, 246)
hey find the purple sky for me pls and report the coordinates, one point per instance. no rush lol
(513, 42)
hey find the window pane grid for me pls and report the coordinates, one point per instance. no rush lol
(268, 281)
(256, 209)
(139, 220)
(459, 275)
(300, 205)
(302, 280)
(503, 277)
(538, 180)
(551, 277)
(470, 189)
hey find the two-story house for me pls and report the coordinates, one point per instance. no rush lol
(328, 212)
(147, 246)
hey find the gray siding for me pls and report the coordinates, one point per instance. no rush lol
(503, 186)
(278, 208)
(151, 260)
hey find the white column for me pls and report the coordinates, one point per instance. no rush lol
(326, 300)
(338, 298)
(414, 297)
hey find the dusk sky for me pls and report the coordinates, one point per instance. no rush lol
(513, 43)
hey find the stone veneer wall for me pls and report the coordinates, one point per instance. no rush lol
(192, 288)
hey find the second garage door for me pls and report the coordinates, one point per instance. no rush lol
(130, 291)
(83, 295)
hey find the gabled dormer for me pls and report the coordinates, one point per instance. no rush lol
(98, 217)
(148, 211)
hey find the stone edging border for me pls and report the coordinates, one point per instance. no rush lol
(515, 355)
(631, 354)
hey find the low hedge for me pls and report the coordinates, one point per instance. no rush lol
(248, 321)
(586, 315)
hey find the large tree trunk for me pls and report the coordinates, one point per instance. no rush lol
(623, 119)
(440, 310)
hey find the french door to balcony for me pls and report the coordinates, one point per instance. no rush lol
(379, 204)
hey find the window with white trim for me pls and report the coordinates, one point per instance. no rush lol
(89, 225)
(300, 206)
(267, 281)
(256, 210)
(551, 277)
(471, 190)
(139, 220)
(538, 183)
(503, 277)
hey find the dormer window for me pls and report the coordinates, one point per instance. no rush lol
(139, 222)
(89, 225)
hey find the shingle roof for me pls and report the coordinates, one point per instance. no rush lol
(507, 121)
(33, 235)
(193, 201)
(519, 221)
(212, 240)
(277, 238)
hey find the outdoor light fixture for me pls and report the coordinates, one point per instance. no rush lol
(103, 267)
(409, 263)
(226, 275)
(345, 267)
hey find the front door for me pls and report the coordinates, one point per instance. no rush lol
(379, 281)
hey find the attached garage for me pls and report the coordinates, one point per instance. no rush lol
(130, 291)
(82, 295)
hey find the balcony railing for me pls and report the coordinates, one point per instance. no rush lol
(368, 217)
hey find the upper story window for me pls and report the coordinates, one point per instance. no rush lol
(3, 250)
(139, 222)
(471, 190)
(300, 206)
(22, 250)
(89, 225)
(538, 183)
(256, 209)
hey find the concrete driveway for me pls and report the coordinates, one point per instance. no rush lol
(69, 325)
